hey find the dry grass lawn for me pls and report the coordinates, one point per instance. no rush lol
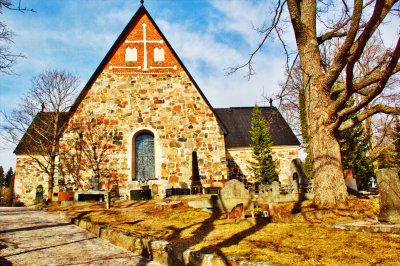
(299, 238)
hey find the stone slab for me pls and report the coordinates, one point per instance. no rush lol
(389, 194)
(367, 225)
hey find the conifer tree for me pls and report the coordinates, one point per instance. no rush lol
(354, 148)
(10, 177)
(263, 165)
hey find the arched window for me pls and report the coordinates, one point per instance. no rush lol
(144, 157)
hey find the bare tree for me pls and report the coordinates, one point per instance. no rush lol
(37, 124)
(7, 56)
(355, 24)
(87, 148)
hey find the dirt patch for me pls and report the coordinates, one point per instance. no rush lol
(297, 238)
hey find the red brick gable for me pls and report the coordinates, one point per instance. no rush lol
(144, 50)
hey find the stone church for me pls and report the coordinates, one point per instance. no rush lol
(151, 116)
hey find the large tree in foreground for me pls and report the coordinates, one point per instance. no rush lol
(355, 25)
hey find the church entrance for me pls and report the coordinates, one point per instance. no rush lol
(144, 157)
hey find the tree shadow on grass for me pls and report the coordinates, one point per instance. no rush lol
(236, 238)
(205, 228)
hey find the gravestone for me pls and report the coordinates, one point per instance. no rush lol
(275, 210)
(140, 194)
(389, 194)
(234, 193)
(351, 185)
(275, 191)
(297, 166)
(39, 194)
(154, 190)
(265, 193)
(237, 212)
(213, 190)
(115, 190)
(196, 182)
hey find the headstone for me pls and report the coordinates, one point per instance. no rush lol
(389, 194)
(233, 193)
(373, 182)
(275, 191)
(169, 192)
(348, 174)
(351, 185)
(39, 194)
(154, 190)
(213, 190)
(140, 194)
(275, 210)
(297, 166)
(196, 182)
(237, 212)
(114, 190)
(182, 191)
(265, 194)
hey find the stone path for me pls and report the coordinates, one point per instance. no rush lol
(32, 237)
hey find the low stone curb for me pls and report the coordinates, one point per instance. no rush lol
(367, 225)
(158, 250)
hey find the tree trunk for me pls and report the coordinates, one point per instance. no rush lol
(329, 187)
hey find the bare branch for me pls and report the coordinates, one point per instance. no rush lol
(368, 112)
(267, 32)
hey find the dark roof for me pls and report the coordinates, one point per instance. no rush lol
(237, 121)
(141, 11)
(39, 135)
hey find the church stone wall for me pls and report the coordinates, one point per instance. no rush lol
(168, 106)
(28, 176)
(238, 161)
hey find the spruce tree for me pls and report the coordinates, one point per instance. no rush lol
(263, 165)
(354, 148)
(10, 176)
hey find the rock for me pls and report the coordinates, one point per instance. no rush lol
(237, 212)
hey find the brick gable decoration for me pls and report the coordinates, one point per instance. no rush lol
(140, 118)
(144, 50)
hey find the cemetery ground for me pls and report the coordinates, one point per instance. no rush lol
(300, 237)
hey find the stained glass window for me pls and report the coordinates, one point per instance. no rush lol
(144, 157)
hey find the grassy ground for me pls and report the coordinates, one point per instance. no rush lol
(299, 238)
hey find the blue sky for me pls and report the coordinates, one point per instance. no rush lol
(208, 36)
